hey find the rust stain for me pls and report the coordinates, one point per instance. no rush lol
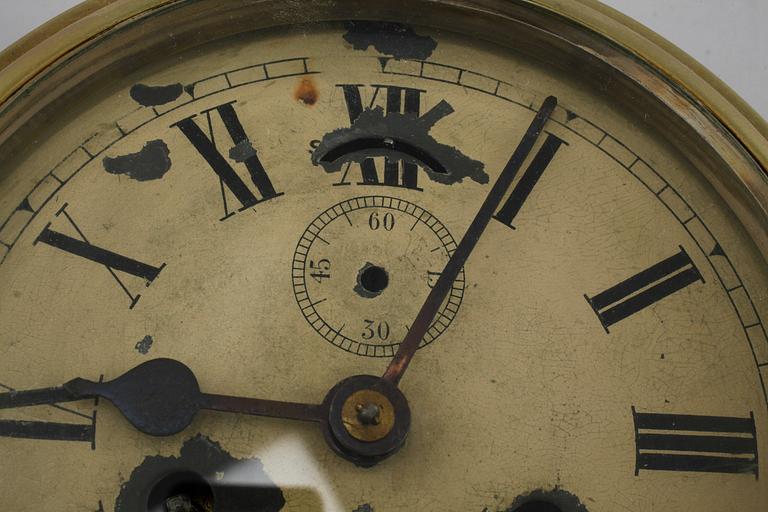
(306, 92)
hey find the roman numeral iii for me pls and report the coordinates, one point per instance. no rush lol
(644, 289)
(679, 442)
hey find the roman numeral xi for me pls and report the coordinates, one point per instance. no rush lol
(205, 142)
(644, 289)
(680, 442)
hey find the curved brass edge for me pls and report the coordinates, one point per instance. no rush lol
(37, 36)
(32, 55)
(676, 65)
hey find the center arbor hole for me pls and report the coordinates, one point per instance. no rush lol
(371, 281)
(182, 491)
(538, 506)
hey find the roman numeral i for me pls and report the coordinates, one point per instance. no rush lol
(532, 175)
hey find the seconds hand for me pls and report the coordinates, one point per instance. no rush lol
(435, 299)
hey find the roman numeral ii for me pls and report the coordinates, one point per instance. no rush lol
(645, 288)
(84, 431)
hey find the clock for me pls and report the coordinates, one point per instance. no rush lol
(374, 256)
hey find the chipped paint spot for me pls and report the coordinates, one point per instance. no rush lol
(366, 507)
(306, 92)
(399, 136)
(151, 163)
(393, 39)
(155, 95)
(251, 490)
(242, 151)
(557, 499)
(145, 344)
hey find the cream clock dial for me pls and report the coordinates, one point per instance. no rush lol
(372, 257)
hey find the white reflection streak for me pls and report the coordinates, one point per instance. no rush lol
(288, 463)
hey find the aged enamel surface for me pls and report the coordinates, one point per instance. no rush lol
(524, 390)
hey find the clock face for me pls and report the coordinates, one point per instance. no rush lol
(273, 209)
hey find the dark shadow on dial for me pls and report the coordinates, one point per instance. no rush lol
(203, 475)
(181, 491)
(555, 500)
(539, 506)
(386, 146)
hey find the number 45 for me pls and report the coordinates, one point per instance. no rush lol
(320, 270)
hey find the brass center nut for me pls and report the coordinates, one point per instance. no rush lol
(356, 411)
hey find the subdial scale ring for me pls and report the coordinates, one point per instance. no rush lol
(364, 266)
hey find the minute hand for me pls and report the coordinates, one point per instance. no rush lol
(431, 306)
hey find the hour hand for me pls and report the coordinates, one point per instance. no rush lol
(160, 398)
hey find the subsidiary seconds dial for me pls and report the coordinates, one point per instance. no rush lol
(364, 264)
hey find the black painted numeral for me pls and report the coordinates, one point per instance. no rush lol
(678, 442)
(91, 252)
(524, 187)
(112, 261)
(243, 152)
(398, 99)
(645, 288)
(44, 430)
(49, 431)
